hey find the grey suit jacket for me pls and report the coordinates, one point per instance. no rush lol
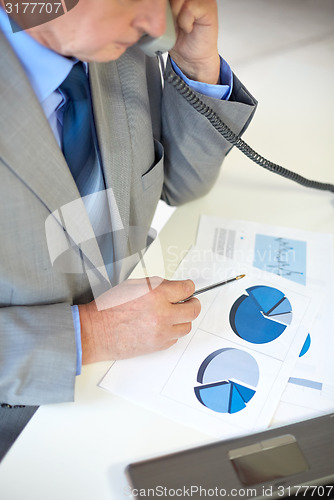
(153, 145)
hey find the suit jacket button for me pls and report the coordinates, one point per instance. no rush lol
(6, 405)
(19, 406)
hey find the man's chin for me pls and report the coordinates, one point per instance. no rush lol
(104, 56)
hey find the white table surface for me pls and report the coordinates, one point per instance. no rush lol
(77, 451)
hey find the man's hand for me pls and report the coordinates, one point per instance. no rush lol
(136, 317)
(195, 51)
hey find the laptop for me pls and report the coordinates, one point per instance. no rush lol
(292, 461)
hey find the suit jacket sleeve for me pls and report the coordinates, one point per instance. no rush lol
(194, 150)
(37, 354)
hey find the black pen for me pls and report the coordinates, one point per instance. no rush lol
(210, 287)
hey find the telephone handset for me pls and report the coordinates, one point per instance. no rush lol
(155, 47)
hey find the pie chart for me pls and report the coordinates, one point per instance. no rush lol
(262, 315)
(228, 379)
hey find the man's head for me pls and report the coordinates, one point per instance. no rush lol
(99, 30)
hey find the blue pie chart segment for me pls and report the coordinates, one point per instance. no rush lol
(237, 403)
(285, 318)
(265, 296)
(283, 307)
(245, 392)
(215, 396)
(228, 379)
(261, 316)
(306, 346)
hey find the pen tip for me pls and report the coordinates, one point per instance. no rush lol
(240, 276)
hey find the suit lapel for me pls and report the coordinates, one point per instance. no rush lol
(114, 141)
(26, 139)
(23, 121)
(113, 133)
(116, 101)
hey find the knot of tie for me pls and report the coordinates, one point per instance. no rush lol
(75, 86)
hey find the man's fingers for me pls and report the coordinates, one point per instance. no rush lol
(168, 344)
(186, 20)
(186, 312)
(178, 290)
(181, 330)
(195, 11)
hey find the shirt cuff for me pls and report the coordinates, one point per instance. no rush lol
(222, 91)
(77, 332)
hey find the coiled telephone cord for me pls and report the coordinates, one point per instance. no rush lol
(189, 95)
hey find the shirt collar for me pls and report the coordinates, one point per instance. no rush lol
(45, 69)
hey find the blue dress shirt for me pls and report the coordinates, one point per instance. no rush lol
(46, 70)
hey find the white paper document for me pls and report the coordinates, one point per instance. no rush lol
(227, 376)
(303, 257)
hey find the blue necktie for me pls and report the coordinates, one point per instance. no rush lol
(80, 154)
(78, 132)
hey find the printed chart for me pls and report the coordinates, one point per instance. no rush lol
(282, 256)
(302, 257)
(262, 315)
(229, 378)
